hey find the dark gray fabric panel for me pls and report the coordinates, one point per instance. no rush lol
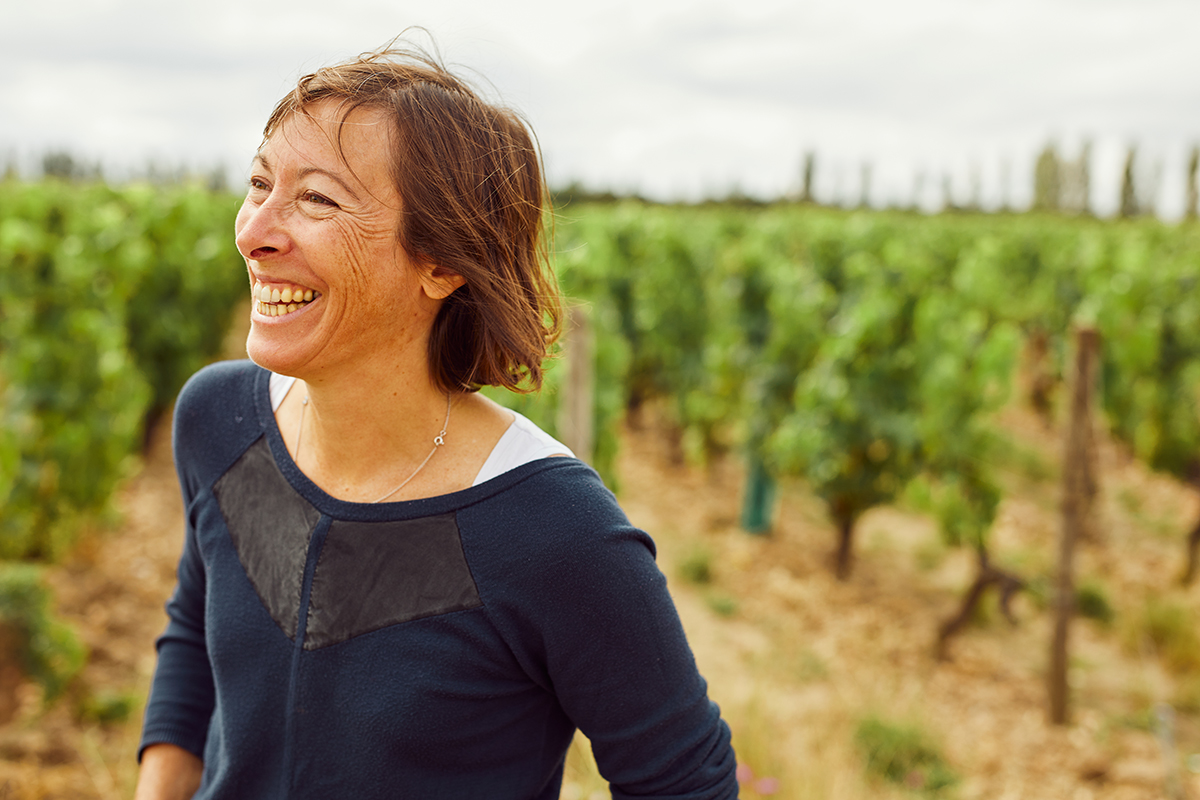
(270, 525)
(374, 574)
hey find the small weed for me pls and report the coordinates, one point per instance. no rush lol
(1025, 461)
(985, 611)
(1187, 695)
(763, 787)
(1040, 590)
(1130, 500)
(104, 707)
(1091, 601)
(696, 566)
(721, 604)
(1161, 526)
(760, 770)
(1170, 628)
(930, 554)
(904, 755)
(1029, 561)
(1139, 720)
(811, 667)
(51, 651)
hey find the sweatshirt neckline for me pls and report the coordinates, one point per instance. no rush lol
(379, 512)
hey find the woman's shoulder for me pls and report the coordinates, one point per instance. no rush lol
(554, 517)
(563, 491)
(220, 380)
(216, 408)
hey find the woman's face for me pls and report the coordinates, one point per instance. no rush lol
(331, 284)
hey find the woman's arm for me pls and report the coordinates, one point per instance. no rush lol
(168, 773)
(586, 612)
(181, 698)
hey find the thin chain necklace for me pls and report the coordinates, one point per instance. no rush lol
(438, 441)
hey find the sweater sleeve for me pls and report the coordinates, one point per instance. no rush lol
(596, 625)
(181, 696)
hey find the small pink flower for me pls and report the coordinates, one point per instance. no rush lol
(744, 773)
(767, 786)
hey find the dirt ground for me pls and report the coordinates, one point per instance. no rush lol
(804, 657)
(795, 658)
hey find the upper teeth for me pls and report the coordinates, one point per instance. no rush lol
(273, 301)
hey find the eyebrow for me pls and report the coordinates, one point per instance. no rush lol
(306, 171)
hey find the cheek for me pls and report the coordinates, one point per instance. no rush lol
(367, 253)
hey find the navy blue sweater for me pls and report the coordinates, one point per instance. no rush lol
(438, 648)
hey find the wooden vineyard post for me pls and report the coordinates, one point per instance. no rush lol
(11, 676)
(576, 409)
(1078, 488)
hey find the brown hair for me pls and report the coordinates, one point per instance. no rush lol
(473, 198)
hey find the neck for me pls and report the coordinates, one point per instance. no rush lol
(364, 434)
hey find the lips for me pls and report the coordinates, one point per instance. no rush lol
(276, 301)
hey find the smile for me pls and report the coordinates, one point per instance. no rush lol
(275, 302)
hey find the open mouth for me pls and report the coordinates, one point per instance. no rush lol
(273, 301)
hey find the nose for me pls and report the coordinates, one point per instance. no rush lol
(260, 230)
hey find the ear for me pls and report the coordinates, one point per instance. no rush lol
(438, 282)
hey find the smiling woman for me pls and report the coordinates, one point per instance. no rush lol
(448, 642)
(322, 216)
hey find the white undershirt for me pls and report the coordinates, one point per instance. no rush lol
(521, 443)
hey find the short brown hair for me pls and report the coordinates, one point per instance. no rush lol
(473, 200)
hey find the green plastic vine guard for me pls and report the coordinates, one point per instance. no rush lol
(758, 500)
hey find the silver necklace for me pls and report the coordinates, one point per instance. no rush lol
(438, 441)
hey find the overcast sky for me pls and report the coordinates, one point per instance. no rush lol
(676, 99)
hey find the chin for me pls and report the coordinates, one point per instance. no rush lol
(271, 355)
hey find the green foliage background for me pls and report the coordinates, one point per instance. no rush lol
(110, 299)
(860, 350)
(863, 352)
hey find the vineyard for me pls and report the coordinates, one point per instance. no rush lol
(843, 428)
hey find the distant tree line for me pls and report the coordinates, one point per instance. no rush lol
(1060, 184)
(62, 165)
(1065, 185)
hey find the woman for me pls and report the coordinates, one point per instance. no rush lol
(390, 585)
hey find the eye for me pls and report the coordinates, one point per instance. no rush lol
(313, 197)
(257, 185)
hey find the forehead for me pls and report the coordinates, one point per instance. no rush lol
(325, 135)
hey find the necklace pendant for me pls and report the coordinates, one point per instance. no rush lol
(438, 441)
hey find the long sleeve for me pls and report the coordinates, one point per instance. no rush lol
(632, 685)
(182, 695)
(590, 619)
